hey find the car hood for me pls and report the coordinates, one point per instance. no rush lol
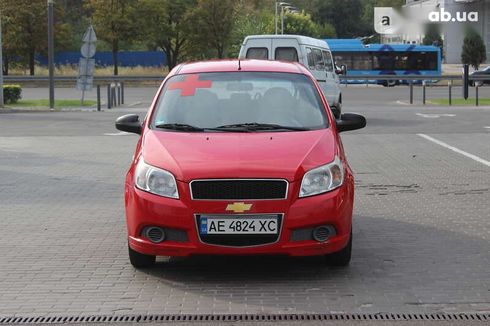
(285, 155)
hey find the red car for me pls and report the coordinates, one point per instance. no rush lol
(239, 158)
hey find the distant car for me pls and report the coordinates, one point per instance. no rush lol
(239, 158)
(484, 72)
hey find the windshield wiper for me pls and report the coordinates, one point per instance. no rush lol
(261, 126)
(179, 126)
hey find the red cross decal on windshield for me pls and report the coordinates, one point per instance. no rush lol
(189, 85)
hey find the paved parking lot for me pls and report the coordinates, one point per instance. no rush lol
(421, 225)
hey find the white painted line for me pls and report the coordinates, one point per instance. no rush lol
(434, 115)
(487, 127)
(121, 133)
(457, 150)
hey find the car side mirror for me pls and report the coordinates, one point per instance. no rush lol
(129, 123)
(350, 121)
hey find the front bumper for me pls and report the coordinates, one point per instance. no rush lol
(332, 208)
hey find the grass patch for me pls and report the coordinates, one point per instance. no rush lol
(57, 103)
(459, 101)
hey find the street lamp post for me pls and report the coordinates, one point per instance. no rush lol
(277, 5)
(284, 6)
(51, 52)
(1, 67)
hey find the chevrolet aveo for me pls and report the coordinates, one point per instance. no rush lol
(239, 158)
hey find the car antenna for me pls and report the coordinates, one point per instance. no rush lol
(239, 64)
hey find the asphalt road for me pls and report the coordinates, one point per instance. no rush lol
(421, 224)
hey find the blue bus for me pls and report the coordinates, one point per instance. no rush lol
(385, 59)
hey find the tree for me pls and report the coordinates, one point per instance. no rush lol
(345, 18)
(25, 30)
(302, 24)
(113, 22)
(433, 36)
(251, 21)
(165, 26)
(474, 51)
(212, 23)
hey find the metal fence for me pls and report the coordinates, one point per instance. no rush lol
(410, 80)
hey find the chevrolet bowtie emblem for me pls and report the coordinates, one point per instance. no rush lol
(238, 207)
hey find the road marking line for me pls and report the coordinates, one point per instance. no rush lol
(457, 150)
(487, 127)
(435, 115)
(121, 133)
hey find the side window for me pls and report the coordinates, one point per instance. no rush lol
(327, 58)
(257, 53)
(311, 60)
(286, 54)
(318, 59)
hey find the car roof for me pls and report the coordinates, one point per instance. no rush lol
(300, 38)
(240, 65)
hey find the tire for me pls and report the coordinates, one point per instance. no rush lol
(340, 258)
(139, 260)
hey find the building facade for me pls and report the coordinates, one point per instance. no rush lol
(453, 16)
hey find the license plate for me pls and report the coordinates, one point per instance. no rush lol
(238, 225)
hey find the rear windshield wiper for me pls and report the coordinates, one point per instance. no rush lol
(179, 126)
(261, 126)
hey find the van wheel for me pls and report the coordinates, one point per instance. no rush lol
(340, 258)
(140, 260)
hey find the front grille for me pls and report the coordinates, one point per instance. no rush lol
(240, 240)
(239, 189)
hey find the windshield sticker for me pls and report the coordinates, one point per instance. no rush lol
(189, 85)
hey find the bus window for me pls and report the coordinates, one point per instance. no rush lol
(327, 58)
(286, 54)
(257, 53)
(384, 61)
(362, 61)
(343, 58)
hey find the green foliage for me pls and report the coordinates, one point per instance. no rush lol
(164, 27)
(12, 93)
(433, 36)
(302, 24)
(212, 25)
(113, 21)
(24, 25)
(249, 22)
(345, 17)
(474, 51)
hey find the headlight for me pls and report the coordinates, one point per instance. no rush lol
(322, 179)
(155, 180)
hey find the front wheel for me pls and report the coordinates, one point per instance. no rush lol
(340, 258)
(140, 260)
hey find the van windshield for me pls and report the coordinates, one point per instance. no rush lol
(212, 100)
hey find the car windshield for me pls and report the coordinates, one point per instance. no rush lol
(250, 101)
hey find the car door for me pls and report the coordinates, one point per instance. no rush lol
(333, 80)
(316, 65)
(285, 50)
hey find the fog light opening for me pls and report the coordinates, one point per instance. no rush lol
(322, 233)
(154, 233)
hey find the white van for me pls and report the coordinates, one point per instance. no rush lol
(313, 53)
